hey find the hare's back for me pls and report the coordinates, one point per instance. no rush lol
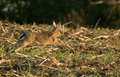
(43, 37)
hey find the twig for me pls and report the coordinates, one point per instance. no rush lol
(97, 23)
(65, 24)
(43, 62)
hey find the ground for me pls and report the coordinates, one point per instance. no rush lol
(92, 52)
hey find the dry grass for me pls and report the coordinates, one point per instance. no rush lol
(93, 52)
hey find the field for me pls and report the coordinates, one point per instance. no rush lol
(92, 53)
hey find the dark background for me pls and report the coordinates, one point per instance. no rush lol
(81, 12)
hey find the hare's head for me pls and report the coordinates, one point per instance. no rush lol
(56, 29)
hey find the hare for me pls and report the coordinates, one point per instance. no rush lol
(44, 37)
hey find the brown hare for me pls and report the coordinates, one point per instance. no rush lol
(45, 37)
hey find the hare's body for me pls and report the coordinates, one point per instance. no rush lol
(45, 37)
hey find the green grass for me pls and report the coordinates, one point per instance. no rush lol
(87, 56)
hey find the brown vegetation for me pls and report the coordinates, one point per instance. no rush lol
(92, 52)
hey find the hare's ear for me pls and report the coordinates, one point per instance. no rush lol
(54, 24)
(58, 24)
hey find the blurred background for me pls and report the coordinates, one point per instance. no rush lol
(91, 13)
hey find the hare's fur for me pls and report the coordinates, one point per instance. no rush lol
(45, 37)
